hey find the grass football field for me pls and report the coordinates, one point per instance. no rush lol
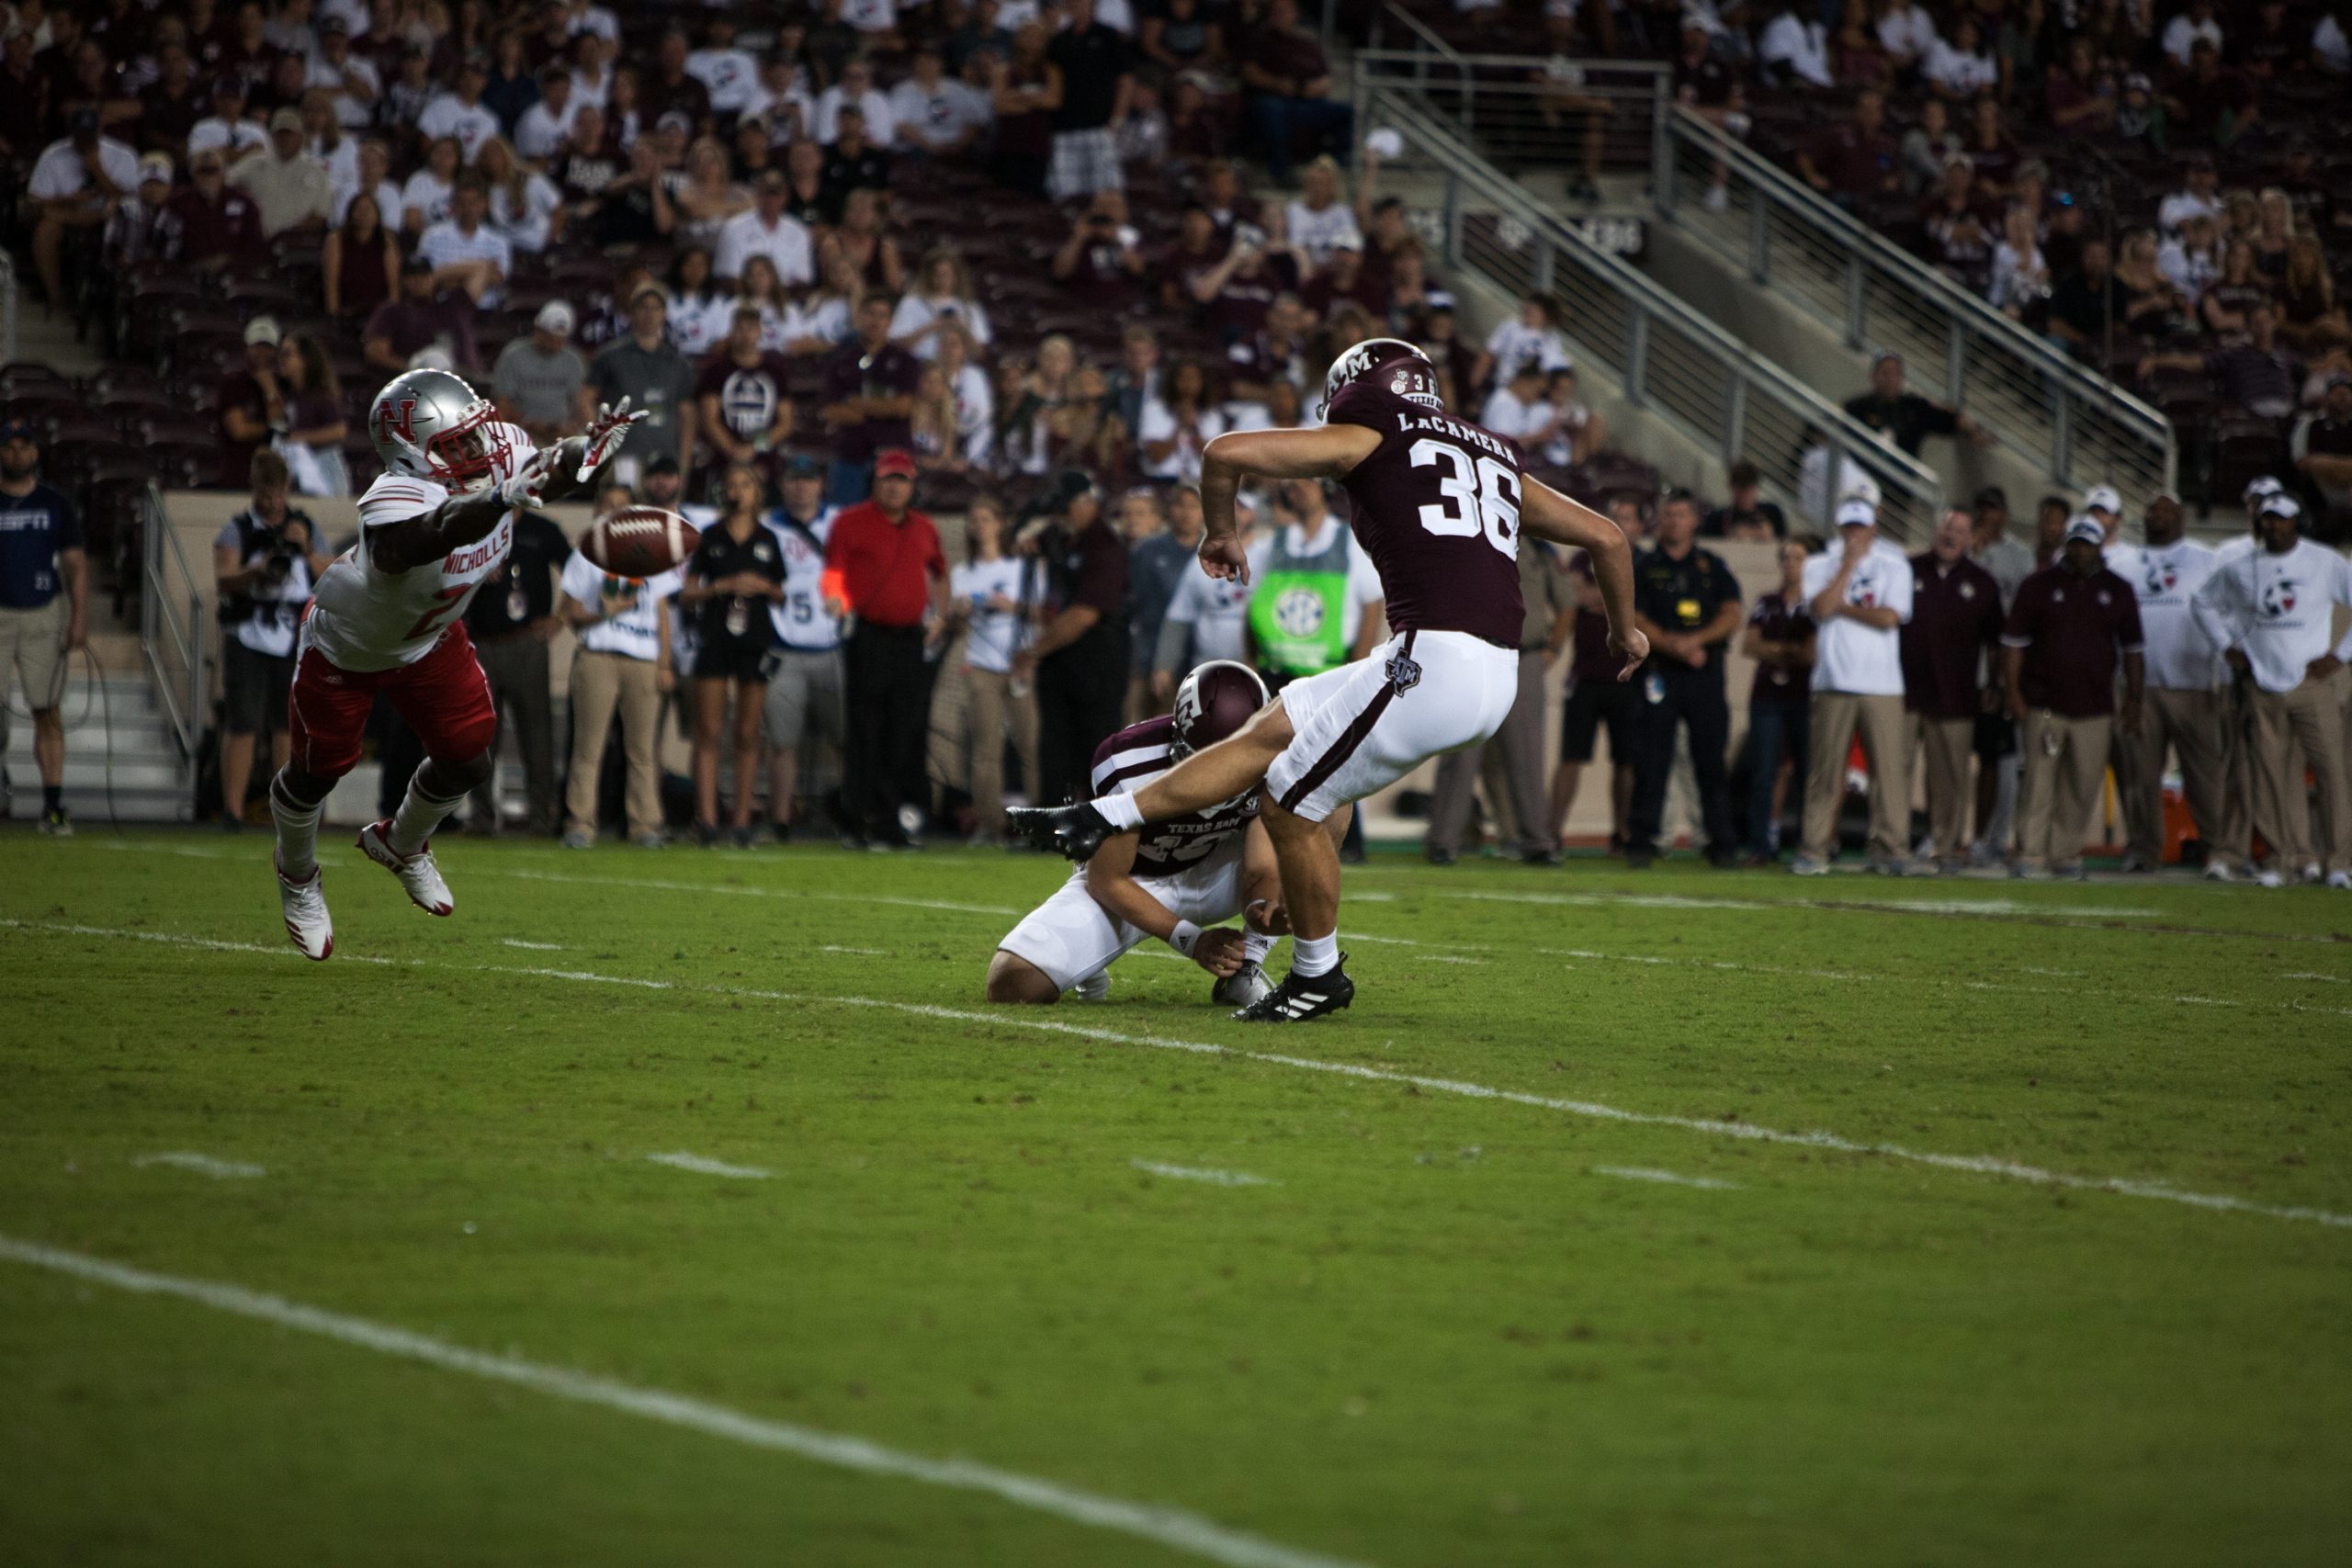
(1671, 1219)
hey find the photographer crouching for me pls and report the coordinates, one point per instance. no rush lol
(264, 561)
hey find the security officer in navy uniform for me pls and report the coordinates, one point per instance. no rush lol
(1686, 600)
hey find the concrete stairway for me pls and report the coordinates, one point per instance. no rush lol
(121, 760)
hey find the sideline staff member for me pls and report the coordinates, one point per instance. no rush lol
(883, 565)
(40, 552)
(263, 562)
(511, 621)
(1688, 601)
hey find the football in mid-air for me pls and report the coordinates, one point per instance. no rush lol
(639, 541)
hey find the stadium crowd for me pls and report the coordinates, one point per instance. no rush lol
(768, 235)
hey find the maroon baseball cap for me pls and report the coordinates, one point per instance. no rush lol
(894, 460)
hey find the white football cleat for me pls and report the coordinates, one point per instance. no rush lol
(2340, 880)
(308, 924)
(2268, 877)
(2215, 870)
(417, 872)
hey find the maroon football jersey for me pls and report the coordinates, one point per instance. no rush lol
(1135, 757)
(1437, 509)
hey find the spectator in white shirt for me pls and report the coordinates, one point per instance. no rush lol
(1799, 49)
(350, 80)
(856, 86)
(767, 231)
(462, 114)
(942, 293)
(227, 127)
(2191, 260)
(1961, 67)
(425, 200)
(1320, 217)
(372, 174)
(729, 74)
(1527, 338)
(291, 188)
(592, 69)
(2182, 33)
(1858, 593)
(2271, 611)
(2020, 275)
(1517, 408)
(76, 184)
(464, 250)
(875, 18)
(985, 597)
(542, 129)
(2200, 193)
(586, 17)
(525, 207)
(1906, 32)
(1176, 425)
(2180, 709)
(932, 112)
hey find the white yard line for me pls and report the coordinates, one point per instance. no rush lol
(1169, 1527)
(203, 1164)
(533, 946)
(1201, 1173)
(1856, 906)
(739, 891)
(861, 952)
(2309, 974)
(1641, 1173)
(1983, 1165)
(702, 1166)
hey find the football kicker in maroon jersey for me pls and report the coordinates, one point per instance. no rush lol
(1436, 507)
(1135, 757)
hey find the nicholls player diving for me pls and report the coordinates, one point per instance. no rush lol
(1167, 878)
(1439, 505)
(387, 617)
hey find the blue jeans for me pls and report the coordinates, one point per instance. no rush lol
(847, 483)
(1278, 118)
(1774, 731)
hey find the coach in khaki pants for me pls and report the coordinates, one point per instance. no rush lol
(1859, 594)
(2071, 623)
(2183, 713)
(1955, 624)
(2271, 609)
(623, 664)
(1549, 595)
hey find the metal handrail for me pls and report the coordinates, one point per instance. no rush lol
(2074, 424)
(1420, 31)
(1500, 102)
(171, 638)
(1671, 360)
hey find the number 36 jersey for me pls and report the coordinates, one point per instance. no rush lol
(364, 619)
(1437, 509)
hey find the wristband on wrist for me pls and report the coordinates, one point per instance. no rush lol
(1185, 938)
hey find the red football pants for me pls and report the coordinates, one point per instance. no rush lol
(443, 697)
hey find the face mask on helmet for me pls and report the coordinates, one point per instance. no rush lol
(463, 457)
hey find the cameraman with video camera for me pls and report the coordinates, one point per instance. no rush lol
(264, 561)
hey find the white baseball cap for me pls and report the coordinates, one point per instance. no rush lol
(2280, 505)
(2103, 498)
(555, 316)
(2086, 529)
(1856, 513)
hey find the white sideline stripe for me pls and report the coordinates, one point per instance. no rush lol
(1201, 1173)
(863, 952)
(1641, 1173)
(2310, 974)
(1172, 1528)
(533, 946)
(172, 939)
(739, 891)
(697, 1164)
(203, 1164)
(1849, 906)
(1982, 1165)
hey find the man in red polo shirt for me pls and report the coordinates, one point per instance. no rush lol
(2071, 621)
(883, 565)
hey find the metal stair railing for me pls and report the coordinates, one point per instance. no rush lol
(1523, 113)
(171, 631)
(2078, 427)
(1669, 359)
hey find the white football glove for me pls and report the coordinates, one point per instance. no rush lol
(605, 433)
(521, 491)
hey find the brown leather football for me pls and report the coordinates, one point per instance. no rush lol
(639, 541)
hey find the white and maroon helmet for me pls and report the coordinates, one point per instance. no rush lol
(430, 426)
(1406, 370)
(1216, 700)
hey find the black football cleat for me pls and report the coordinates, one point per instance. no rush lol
(1073, 832)
(1300, 997)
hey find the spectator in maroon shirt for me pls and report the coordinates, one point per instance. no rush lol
(24, 98)
(667, 87)
(1955, 624)
(1102, 263)
(211, 226)
(1290, 84)
(2059, 652)
(1856, 159)
(170, 109)
(416, 320)
(1240, 291)
(1080, 655)
(2079, 98)
(869, 399)
(252, 402)
(2211, 104)
(1343, 282)
(1195, 251)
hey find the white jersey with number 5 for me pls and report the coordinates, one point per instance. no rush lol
(364, 618)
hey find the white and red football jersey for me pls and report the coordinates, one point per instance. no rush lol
(367, 619)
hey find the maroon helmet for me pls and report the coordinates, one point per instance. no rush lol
(1215, 702)
(1406, 370)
